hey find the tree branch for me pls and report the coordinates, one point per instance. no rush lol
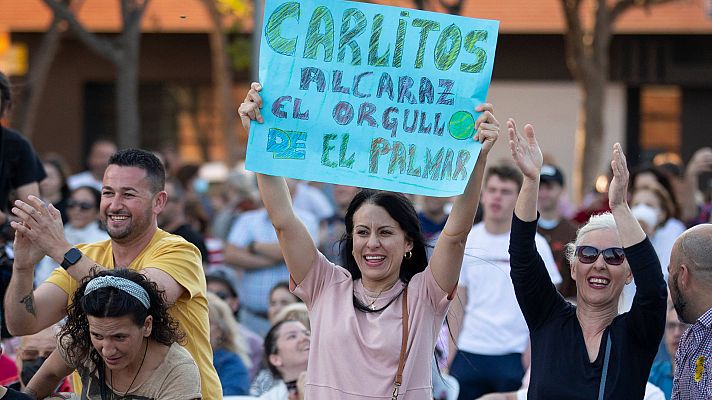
(454, 8)
(574, 37)
(622, 5)
(104, 47)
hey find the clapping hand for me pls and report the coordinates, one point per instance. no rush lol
(525, 150)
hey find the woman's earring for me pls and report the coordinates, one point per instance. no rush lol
(408, 254)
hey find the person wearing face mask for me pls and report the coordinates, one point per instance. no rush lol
(11, 394)
(33, 352)
(667, 227)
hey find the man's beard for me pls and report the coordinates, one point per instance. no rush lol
(678, 301)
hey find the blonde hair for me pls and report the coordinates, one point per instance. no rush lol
(597, 222)
(232, 338)
(294, 312)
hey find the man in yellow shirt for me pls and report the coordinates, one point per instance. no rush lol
(132, 197)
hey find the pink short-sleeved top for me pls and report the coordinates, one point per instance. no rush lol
(353, 354)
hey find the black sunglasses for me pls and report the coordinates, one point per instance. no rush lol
(81, 204)
(589, 255)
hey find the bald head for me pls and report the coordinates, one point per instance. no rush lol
(693, 248)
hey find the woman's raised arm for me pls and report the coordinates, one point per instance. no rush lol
(629, 229)
(297, 246)
(527, 155)
(446, 261)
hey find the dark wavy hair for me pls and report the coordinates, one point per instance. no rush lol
(110, 302)
(402, 211)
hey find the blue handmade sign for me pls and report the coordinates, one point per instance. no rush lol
(371, 96)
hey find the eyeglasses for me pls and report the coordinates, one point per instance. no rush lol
(589, 255)
(223, 295)
(81, 204)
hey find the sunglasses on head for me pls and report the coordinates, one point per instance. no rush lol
(81, 204)
(589, 255)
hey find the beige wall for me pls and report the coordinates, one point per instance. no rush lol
(552, 107)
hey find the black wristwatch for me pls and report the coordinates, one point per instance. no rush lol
(71, 257)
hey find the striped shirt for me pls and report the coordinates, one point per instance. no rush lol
(693, 372)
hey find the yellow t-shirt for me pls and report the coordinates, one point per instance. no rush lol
(180, 259)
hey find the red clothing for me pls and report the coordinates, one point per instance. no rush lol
(8, 371)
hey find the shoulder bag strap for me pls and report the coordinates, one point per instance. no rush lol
(606, 359)
(404, 345)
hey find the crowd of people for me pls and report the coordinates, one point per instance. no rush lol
(137, 278)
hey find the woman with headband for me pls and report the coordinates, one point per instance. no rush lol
(122, 342)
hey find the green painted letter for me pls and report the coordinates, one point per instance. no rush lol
(480, 54)
(316, 39)
(273, 27)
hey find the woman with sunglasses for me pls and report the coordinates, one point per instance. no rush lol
(586, 351)
(83, 211)
(82, 226)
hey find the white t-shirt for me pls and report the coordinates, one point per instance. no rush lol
(493, 323)
(313, 200)
(663, 240)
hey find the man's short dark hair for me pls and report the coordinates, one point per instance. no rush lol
(5, 94)
(505, 172)
(145, 160)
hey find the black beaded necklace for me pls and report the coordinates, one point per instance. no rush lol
(111, 374)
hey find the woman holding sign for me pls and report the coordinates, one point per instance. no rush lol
(374, 320)
(592, 350)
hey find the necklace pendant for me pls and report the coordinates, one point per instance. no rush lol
(372, 306)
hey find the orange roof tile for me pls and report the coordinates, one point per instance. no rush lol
(104, 16)
(516, 16)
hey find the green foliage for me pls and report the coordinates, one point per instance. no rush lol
(239, 47)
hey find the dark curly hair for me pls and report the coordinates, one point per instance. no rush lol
(400, 209)
(110, 302)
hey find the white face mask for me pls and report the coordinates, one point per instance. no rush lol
(651, 216)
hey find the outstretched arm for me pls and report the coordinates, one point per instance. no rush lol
(527, 155)
(450, 247)
(297, 246)
(629, 229)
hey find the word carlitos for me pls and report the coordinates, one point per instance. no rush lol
(446, 52)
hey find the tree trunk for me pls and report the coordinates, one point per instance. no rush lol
(590, 136)
(127, 108)
(26, 112)
(222, 88)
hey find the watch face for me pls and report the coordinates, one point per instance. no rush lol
(73, 256)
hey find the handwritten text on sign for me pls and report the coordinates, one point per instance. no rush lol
(371, 96)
